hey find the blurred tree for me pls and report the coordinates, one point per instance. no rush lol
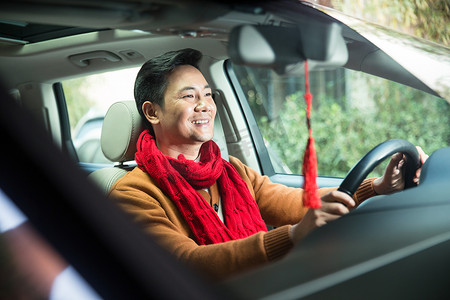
(77, 99)
(428, 19)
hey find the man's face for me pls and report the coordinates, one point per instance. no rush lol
(189, 109)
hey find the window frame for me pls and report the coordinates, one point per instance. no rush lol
(66, 134)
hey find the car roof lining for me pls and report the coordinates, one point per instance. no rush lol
(25, 32)
(143, 15)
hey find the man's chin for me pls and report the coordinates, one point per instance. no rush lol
(204, 138)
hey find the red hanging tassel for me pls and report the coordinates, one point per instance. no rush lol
(311, 196)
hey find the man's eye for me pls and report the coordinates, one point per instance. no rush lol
(188, 96)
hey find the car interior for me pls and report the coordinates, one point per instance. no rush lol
(393, 246)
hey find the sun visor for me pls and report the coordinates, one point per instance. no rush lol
(284, 48)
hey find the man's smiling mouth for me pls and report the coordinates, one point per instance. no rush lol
(200, 122)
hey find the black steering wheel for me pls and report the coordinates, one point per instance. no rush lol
(374, 157)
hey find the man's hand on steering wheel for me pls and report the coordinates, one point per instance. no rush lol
(393, 179)
(338, 203)
(334, 205)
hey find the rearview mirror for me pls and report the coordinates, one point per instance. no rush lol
(284, 47)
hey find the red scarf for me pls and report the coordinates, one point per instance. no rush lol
(180, 178)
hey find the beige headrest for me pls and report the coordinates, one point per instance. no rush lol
(120, 131)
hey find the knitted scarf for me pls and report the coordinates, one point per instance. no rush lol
(180, 178)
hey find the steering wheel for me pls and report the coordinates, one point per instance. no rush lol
(374, 157)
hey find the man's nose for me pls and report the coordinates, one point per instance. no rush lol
(204, 105)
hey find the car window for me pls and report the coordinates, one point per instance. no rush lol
(88, 98)
(352, 113)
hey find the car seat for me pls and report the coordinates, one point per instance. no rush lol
(120, 131)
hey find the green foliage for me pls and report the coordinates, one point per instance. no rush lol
(77, 100)
(428, 19)
(343, 134)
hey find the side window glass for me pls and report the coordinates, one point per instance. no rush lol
(352, 113)
(88, 98)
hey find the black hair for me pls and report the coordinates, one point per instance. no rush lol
(152, 78)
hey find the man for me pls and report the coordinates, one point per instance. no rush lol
(210, 213)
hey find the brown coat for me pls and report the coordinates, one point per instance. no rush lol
(280, 206)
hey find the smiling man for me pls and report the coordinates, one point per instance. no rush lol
(208, 212)
(185, 120)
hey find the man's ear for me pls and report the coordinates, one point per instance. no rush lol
(150, 111)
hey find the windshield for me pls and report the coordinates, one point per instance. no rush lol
(352, 113)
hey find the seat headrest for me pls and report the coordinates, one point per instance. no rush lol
(120, 131)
